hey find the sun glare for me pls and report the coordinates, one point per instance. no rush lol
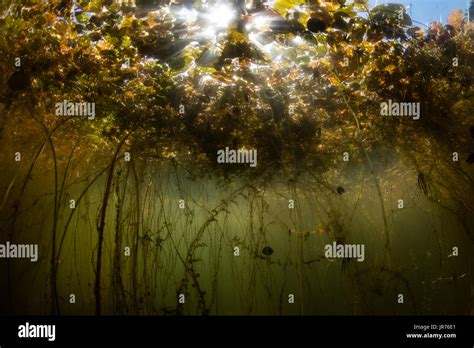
(220, 16)
(188, 15)
(212, 19)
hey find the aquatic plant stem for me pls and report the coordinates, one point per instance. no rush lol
(376, 181)
(101, 226)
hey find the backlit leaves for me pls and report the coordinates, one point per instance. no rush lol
(237, 85)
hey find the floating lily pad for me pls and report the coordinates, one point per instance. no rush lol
(19, 81)
(384, 13)
(316, 25)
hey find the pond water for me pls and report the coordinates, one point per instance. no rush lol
(244, 247)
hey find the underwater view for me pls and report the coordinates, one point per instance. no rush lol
(285, 157)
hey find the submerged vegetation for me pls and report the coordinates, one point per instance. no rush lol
(134, 213)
